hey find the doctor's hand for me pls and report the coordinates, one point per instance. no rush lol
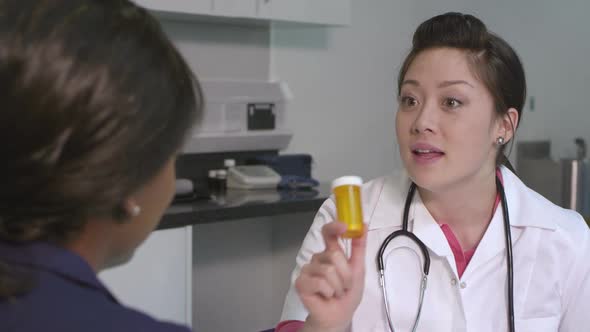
(331, 285)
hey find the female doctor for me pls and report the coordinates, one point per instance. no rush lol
(501, 257)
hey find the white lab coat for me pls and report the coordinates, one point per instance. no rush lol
(551, 248)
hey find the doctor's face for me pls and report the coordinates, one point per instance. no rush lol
(446, 125)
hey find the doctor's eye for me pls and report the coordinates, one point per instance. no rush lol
(407, 101)
(452, 102)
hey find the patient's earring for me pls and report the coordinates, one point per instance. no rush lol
(131, 209)
(500, 140)
(135, 210)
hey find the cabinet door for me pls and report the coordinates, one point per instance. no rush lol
(178, 6)
(335, 12)
(235, 8)
(158, 279)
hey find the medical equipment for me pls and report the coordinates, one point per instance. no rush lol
(241, 116)
(564, 181)
(252, 177)
(426, 266)
(347, 193)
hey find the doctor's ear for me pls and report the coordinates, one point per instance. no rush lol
(507, 125)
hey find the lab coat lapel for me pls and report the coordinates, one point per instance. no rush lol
(491, 245)
(493, 242)
(428, 230)
(388, 215)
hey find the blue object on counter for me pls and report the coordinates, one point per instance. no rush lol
(295, 170)
(296, 182)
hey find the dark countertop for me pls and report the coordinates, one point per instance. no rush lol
(242, 204)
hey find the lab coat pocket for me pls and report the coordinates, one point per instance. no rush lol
(543, 324)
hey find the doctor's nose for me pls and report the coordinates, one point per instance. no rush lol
(425, 120)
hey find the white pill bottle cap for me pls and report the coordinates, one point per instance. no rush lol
(349, 180)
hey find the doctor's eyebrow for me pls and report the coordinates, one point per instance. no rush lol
(449, 83)
(443, 84)
(411, 82)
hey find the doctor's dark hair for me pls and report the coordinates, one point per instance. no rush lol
(95, 101)
(492, 59)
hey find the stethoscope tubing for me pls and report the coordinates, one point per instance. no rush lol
(404, 232)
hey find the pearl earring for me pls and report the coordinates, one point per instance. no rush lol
(135, 210)
(500, 140)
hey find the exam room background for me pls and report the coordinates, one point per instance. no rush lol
(343, 81)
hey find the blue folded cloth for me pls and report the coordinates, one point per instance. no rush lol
(297, 182)
(294, 169)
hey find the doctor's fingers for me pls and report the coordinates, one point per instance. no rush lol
(336, 260)
(358, 253)
(331, 232)
(328, 273)
(309, 285)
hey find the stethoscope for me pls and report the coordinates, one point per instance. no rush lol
(426, 267)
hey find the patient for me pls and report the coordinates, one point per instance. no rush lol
(96, 102)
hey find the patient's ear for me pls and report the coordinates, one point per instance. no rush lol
(131, 208)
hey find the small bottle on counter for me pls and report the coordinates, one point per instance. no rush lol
(229, 163)
(212, 182)
(221, 181)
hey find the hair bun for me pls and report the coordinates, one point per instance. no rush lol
(451, 30)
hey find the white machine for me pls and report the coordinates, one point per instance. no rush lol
(252, 177)
(241, 116)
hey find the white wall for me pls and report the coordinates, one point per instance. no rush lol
(223, 51)
(343, 85)
(553, 40)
